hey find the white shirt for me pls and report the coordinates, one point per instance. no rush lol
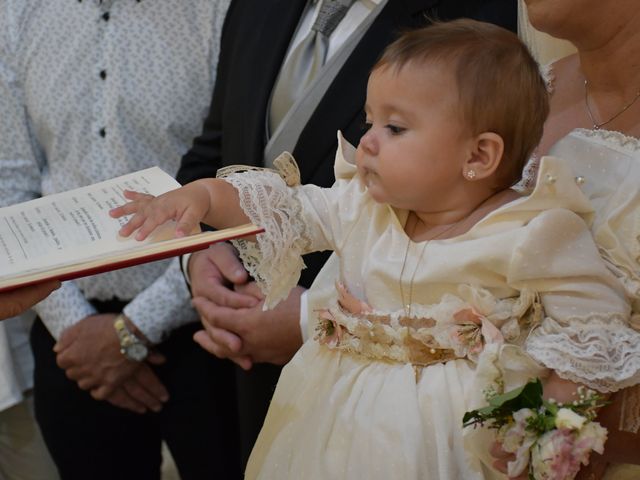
(91, 90)
(16, 360)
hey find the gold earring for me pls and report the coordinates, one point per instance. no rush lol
(471, 174)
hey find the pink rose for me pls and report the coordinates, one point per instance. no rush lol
(553, 456)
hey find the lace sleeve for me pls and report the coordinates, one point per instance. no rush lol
(275, 262)
(599, 350)
(585, 335)
(297, 219)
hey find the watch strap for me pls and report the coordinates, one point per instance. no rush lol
(126, 337)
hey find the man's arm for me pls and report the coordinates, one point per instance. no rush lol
(90, 350)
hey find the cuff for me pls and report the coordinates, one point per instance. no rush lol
(184, 266)
(63, 308)
(304, 320)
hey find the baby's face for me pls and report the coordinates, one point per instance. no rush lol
(413, 152)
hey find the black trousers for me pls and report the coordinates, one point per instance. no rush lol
(93, 440)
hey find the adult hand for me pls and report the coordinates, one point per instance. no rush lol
(89, 352)
(594, 471)
(271, 336)
(17, 301)
(621, 446)
(213, 274)
(139, 393)
(502, 458)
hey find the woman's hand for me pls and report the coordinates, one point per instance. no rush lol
(15, 302)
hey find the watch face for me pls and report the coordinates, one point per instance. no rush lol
(136, 351)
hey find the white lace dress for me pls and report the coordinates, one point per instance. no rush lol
(380, 393)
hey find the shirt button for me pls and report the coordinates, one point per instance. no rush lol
(106, 16)
(102, 132)
(103, 74)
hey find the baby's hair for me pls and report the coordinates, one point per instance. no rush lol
(499, 83)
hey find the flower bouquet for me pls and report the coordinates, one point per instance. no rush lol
(550, 440)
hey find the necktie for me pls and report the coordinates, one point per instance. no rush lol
(306, 60)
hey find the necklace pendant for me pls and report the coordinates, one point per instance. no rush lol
(596, 125)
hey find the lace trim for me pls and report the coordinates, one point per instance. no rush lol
(456, 327)
(285, 166)
(529, 175)
(628, 143)
(549, 78)
(276, 262)
(630, 412)
(600, 350)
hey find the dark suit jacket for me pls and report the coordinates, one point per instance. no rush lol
(255, 40)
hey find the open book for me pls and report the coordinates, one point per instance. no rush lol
(70, 234)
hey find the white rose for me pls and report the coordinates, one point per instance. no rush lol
(568, 419)
(592, 437)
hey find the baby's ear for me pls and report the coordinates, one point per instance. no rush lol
(485, 157)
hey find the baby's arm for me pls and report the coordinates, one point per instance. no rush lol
(584, 335)
(211, 201)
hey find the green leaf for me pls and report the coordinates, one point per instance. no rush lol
(527, 396)
(501, 407)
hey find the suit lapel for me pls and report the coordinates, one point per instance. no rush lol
(269, 32)
(341, 107)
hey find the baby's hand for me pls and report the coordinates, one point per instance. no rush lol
(350, 303)
(187, 205)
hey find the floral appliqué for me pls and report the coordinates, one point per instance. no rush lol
(328, 330)
(471, 331)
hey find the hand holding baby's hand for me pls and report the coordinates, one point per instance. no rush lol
(187, 206)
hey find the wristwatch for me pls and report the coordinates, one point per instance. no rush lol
(130, 345)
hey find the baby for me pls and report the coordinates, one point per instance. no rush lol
(449, 282)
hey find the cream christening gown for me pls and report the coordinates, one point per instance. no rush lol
(381, 391)
(608, 164)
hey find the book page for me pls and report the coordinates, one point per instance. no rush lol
(73, 225)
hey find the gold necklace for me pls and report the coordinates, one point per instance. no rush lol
(407, 305)
(596, 125)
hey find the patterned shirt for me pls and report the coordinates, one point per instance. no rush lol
(93, 89)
